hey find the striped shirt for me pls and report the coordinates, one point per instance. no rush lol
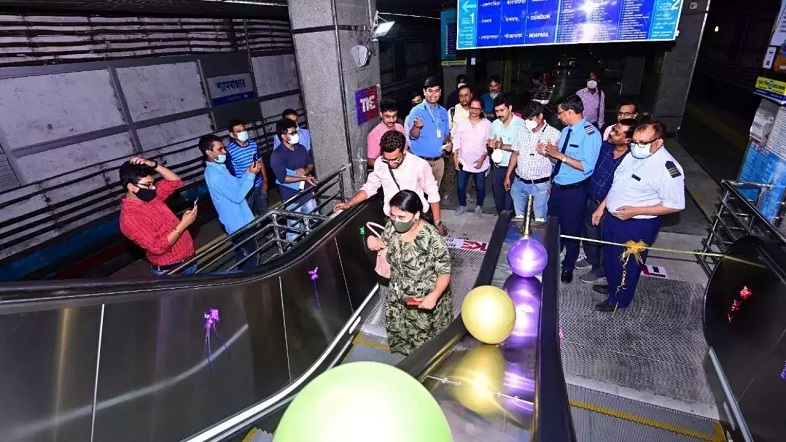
(603, 174)
(594, 106)
(148, 224)
(241, 158)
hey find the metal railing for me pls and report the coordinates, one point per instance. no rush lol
(274, 232)
(736, 216)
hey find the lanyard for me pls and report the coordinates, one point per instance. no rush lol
(428, 108)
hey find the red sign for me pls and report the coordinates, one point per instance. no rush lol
(366, 104)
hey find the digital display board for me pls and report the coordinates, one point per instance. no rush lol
(496, 23)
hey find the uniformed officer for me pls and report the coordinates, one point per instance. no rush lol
(576, 154)
(647, 184)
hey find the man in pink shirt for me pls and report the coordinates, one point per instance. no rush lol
(388, 114)
(396, 170)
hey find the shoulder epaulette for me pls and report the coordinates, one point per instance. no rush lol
(590, 129)
(672, 168)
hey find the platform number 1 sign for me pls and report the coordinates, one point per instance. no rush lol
(367, 104)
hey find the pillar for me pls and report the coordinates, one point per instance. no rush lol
(324, 32)
(678, 64)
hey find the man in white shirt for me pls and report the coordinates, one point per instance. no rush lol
(504, 132)
(532, 168)
(395, 170)
(648, 183)
(460, 112)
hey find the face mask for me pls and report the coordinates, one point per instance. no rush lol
(531, 125)
(592, 84)
(242, 136)
(640, 151)
(221, 159)
(294, 139)
(146, 195)
(404, 226)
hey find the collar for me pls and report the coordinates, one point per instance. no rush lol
(511, 122)
(214, 164)
(583, 122)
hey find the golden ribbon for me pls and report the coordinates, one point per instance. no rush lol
(635, 249)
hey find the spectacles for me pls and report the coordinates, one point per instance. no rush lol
(626, 114)
(644, 142)
(149, 185)
(393, 160)
(292, 133)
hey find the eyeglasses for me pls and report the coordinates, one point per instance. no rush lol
(626, 114)
(643, 142)
(292, 133)
(149, 185)
(393, 160)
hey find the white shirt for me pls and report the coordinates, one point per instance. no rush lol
(460, 114)
(413, 174)
(531, 164)
(657, 179)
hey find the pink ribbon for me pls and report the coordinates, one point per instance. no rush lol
(211, 319)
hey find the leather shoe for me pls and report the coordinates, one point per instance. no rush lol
(602, 289)
(605, 306)
(567, 277)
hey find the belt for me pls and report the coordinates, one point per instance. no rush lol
(571, 186)
(169, 266)
(432, 158)
(537, 181)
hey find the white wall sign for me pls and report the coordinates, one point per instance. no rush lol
(230, 88)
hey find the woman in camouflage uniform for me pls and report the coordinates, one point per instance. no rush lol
(420, 267)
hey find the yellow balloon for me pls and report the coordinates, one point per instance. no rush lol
(480, 375)
(489, 314)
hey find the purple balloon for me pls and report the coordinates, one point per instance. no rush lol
(526, 295)
(527, 257)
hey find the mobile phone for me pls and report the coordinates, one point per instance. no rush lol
(196, 200)
(412, 301)
(256, 157)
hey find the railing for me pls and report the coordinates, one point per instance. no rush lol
(270, 231)
(736, 216)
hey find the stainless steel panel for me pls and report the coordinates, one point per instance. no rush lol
(314, 311)
(155, 381)
(356, 260)
(47, 374)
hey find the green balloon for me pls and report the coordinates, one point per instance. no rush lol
(363, 402)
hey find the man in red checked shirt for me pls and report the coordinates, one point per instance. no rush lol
(147, 221)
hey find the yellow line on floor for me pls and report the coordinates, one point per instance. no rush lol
(220, 238)
(649, 422)
(360, 340)
(713, 122)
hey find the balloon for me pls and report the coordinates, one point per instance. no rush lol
(525, 293)
(361, 402)
(527, 257)
(489, 314)
(480, 374)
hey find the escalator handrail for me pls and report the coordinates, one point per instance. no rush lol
(731, 186)
(23, 296)
(552, 420)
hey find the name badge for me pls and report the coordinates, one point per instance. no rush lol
(439, 133)
(635, 177)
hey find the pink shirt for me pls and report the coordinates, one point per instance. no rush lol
(470, 143)
(413, 174)
(375, 136)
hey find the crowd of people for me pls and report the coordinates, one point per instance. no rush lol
(601, 182)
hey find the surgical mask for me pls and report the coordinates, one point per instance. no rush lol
(592, 84)
(531, 125)
(242, 136)
(640, 151)
(146, 195)
(404, 226)
(294, 139)
(221, 159)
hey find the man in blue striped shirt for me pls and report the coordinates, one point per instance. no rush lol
(243, 152)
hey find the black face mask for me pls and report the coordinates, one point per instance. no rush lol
(146, 195)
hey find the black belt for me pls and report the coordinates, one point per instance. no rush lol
(571, 186)
(432, 158)
(537, 181)
(169, 266)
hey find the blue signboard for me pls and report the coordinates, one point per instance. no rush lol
(495, 23)
(761, 165)
(449, 36)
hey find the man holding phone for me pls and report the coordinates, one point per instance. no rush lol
(228, 194)
(242, 153)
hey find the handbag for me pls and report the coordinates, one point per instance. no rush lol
(383, 266)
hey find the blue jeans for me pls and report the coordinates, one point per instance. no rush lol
(462, 179)
(308, 207)
(257, 201)
(519, 191)
(593, 251)
(156, 271)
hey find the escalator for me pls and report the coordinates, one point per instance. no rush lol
(123, 361)
(528, 400)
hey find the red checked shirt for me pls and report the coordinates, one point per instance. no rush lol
(148, 224)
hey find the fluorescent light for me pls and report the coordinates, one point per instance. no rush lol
(383, 28)
(248, 2)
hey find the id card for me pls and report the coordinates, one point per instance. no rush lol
(439, 133)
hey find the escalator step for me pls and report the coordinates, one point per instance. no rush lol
(257, 435)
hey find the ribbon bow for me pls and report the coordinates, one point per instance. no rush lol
(634, 249)
(211, 319)
(736, 305)
(314, 276)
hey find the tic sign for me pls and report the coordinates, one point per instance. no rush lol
(366, 104)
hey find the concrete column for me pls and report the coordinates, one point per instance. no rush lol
(324, 31)
(449, 74)
(678, 64)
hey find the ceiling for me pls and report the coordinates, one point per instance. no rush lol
(202, 8)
